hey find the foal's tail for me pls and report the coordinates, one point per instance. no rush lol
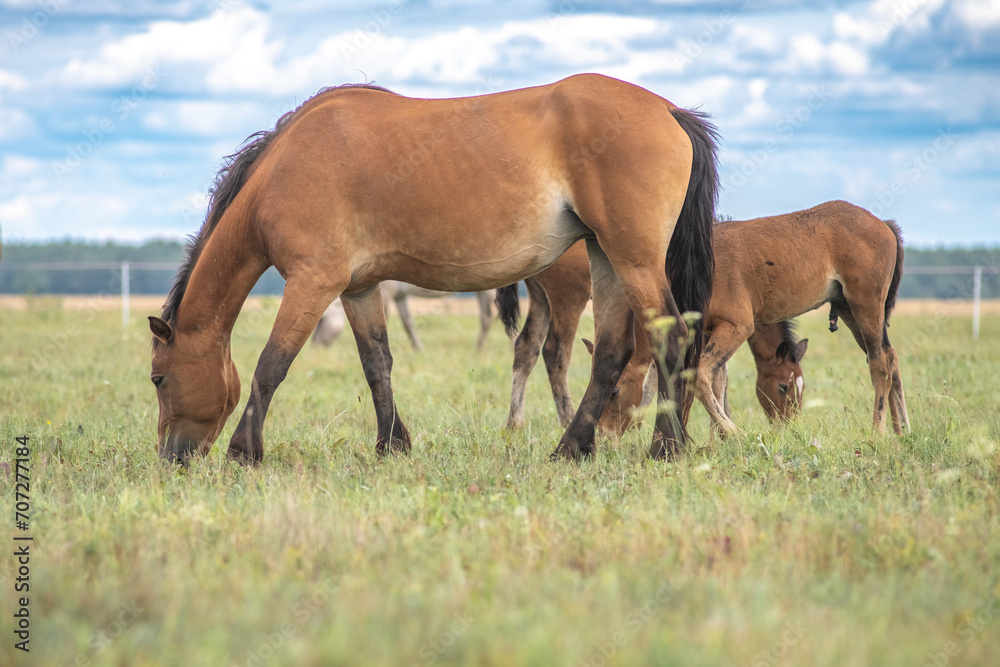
(508, 308)
(897, 275)
(690, 258)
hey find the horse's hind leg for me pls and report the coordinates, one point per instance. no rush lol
(566, 307)
(485, 299)
(527, 347)
(614, 327)
(866, 323)
(301, 307)
(367, 317)
(897, 401)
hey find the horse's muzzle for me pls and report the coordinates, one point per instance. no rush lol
(177, 448)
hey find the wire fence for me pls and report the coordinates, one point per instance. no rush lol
(977, 272)
(123, 272)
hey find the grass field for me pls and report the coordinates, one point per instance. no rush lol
(816, 544)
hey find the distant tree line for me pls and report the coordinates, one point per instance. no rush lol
(15, 280)
(94, 281)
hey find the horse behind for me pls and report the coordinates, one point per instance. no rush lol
(507, 182)
(399, 292)
(331, 324)
(833, 253)
(557, 298)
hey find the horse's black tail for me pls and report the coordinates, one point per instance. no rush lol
(690, 258)
(508, 308)
(897, 275)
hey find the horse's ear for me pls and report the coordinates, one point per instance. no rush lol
(160, 329)
(800, 349)
(783, 349)
(588, 345)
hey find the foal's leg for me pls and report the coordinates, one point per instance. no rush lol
(724, 340)
(565, 310)
(301, 307)
(720, 387)
(526, 350)
(404, 314)
(367, 317)
(897, 401)
(485, 299)
(614, 326)
(866, 323)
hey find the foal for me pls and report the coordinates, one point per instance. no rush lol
(557, 298)
(833, 253)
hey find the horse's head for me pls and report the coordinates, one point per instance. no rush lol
(197, 387)
(780, 382)
(634, 391)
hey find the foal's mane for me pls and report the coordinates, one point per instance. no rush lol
(228, 183)
(787, 329)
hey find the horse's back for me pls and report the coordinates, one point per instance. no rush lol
(483, 189)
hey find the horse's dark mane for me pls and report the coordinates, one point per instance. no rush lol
(787, 328)
(228, 183)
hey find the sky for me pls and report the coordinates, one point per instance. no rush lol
(115, 116)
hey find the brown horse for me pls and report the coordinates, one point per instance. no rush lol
(833, 253)
(360, 185)
(557, 297)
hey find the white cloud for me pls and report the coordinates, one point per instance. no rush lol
(11, 80)
(978, 14)
(233, 43)
(19, 166)
(810, 55)
(204, 118)
(15, 124)
(236, 52)
(23, 215)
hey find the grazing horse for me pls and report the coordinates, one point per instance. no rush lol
(557, 297)
(397, 292)
(833, 253)
(360, 185)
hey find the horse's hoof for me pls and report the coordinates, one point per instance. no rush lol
(243, 458)
(565, 453)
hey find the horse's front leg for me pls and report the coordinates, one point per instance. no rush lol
(367, 317)
(300, 311)
(711, 379)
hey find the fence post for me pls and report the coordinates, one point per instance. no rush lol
(977, 290)
(126, 293)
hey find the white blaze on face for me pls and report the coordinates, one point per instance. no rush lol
(799, 383)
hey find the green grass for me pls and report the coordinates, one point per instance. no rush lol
(817, 544)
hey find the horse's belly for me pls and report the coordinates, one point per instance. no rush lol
(805, 293)
(474, 256)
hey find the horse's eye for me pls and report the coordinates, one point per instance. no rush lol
(783, 388)
(614, 392)
(157, 380)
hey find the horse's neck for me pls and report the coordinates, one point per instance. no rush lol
(226, 271)
(764, 342)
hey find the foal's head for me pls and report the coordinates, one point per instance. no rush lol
(780, 382)
(634, 391)
(197, 387)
